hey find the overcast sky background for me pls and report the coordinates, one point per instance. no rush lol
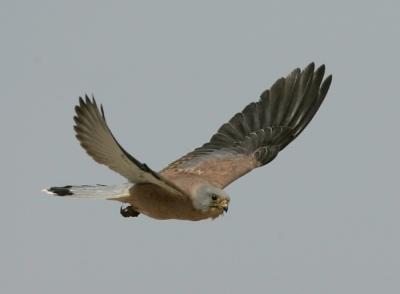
(322, 218)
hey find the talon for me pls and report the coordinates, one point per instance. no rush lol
(128, 211)
(123, 211)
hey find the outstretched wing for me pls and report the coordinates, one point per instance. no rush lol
(254, 137)
(96, 138)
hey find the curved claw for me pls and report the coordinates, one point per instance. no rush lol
(128, 211)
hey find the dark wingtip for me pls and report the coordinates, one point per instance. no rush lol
(320, 70)
(329, 79)
(93, 101)
(325, 86)
(60, 191)
(81, 102)
(310, 66)
(77, 109)
(84, 101)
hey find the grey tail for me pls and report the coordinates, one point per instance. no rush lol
(91, 192)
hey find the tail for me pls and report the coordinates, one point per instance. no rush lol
(91, 192)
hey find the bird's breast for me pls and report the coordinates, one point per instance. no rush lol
(158, 203)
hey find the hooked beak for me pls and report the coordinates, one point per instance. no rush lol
(224, 205)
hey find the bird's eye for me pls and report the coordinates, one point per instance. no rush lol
(214, 197)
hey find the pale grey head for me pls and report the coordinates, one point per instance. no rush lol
(208, 198)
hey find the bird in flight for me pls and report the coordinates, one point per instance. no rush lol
(191, 188)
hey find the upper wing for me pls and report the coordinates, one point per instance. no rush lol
(98, 141)
(255, 136)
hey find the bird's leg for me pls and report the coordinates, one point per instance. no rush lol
(129, 211)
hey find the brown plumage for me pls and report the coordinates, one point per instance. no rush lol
(191, 187)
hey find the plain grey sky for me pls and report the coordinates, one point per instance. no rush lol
(322, 218)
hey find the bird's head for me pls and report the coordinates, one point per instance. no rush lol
(212, 200)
